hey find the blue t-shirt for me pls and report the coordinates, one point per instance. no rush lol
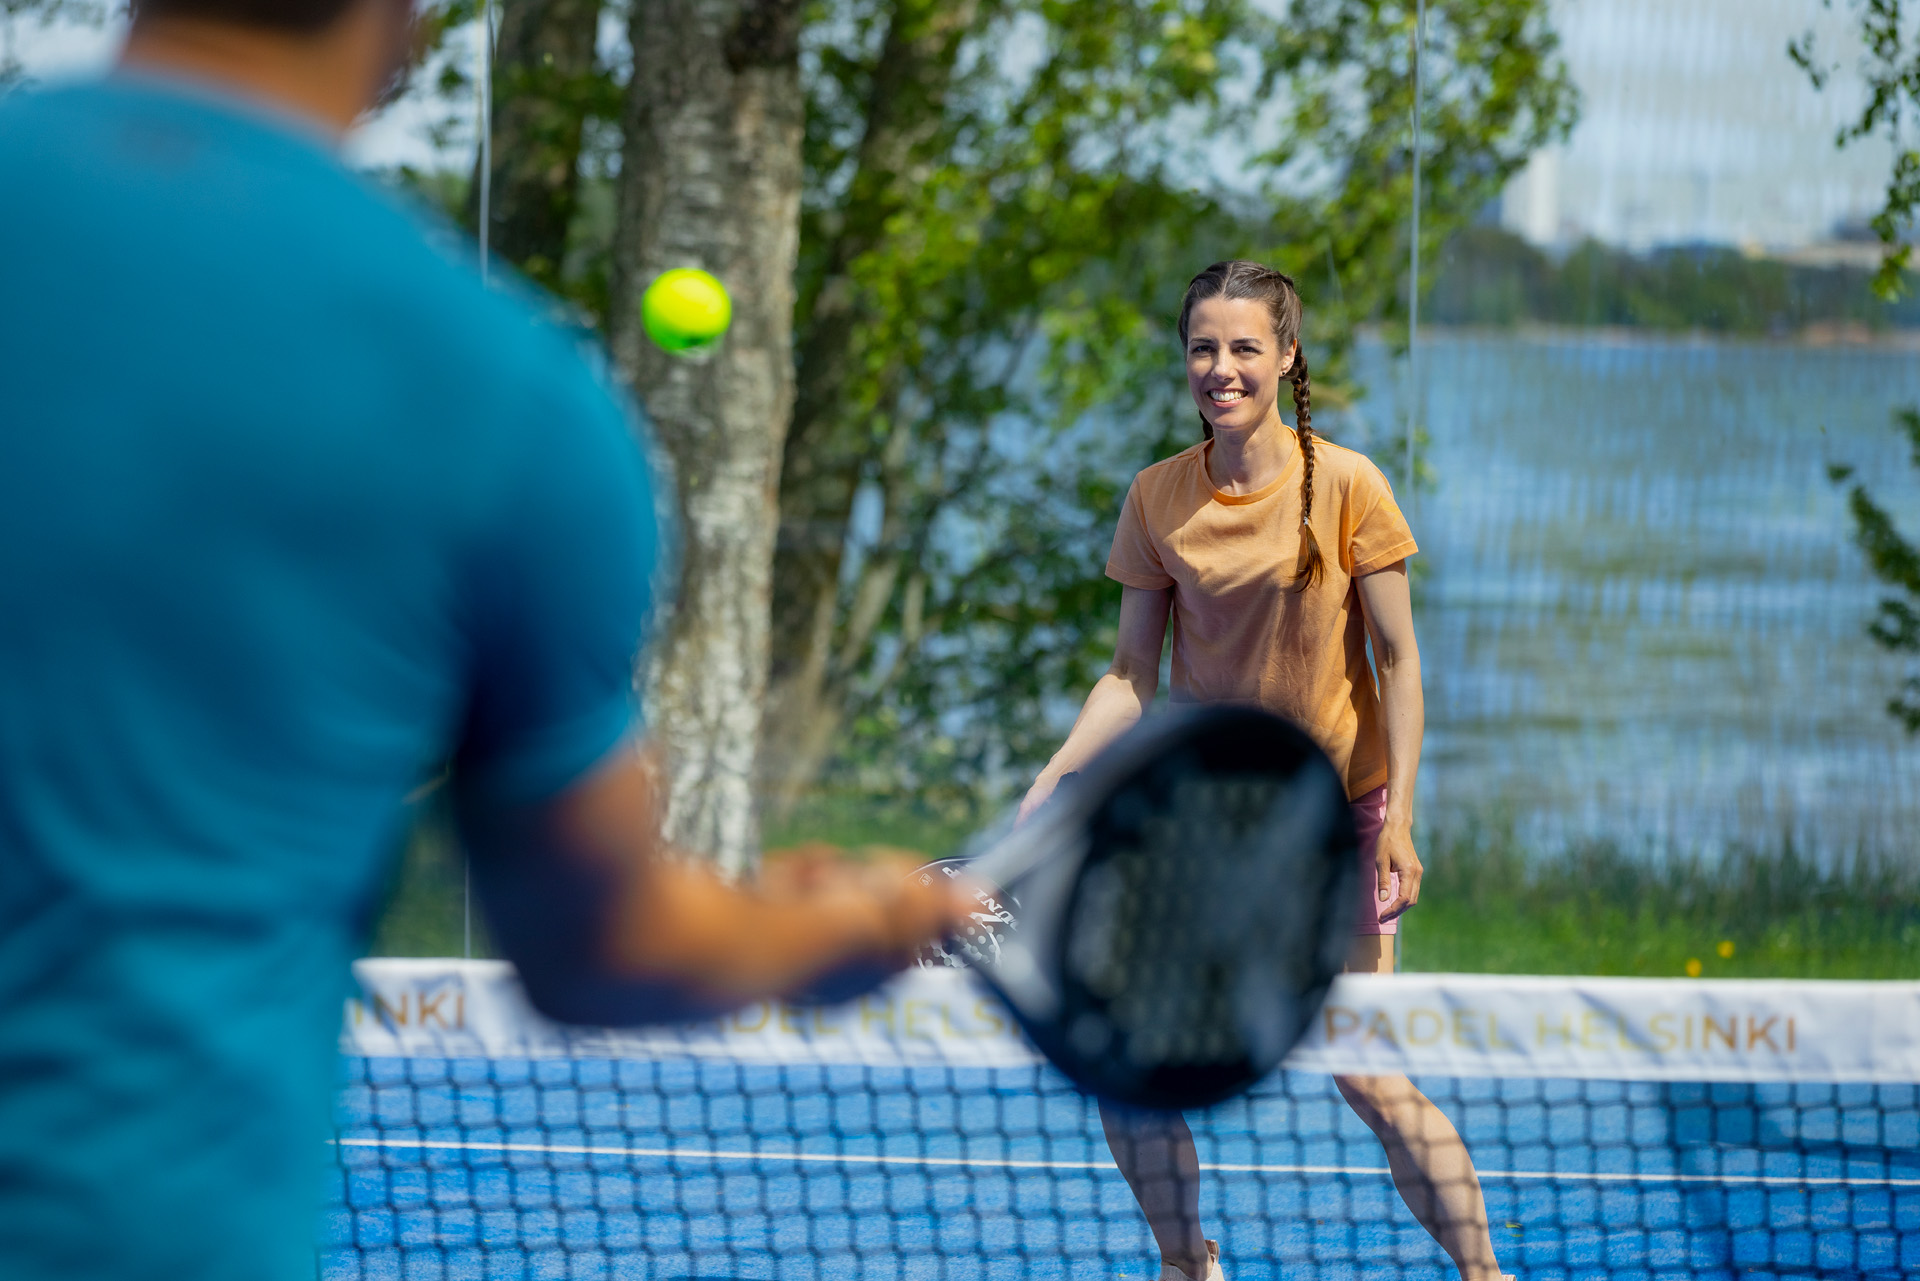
(291, 508)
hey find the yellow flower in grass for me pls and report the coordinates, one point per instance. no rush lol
(1693, 967)
(1725, 949)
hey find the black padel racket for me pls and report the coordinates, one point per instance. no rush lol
(1166, 928)
(991, 920)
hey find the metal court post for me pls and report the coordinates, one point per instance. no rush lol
(483, 86)
(1413, 276)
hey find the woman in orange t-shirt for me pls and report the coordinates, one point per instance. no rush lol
(1277, 556)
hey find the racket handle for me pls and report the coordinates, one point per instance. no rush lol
(1053, 830)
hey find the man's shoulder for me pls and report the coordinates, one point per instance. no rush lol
(39, 109)
(134, 129)
(216, 180)
(222, 227)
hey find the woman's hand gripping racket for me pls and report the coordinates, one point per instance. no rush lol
(1166, 928)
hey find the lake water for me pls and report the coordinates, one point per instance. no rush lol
(1641, 616)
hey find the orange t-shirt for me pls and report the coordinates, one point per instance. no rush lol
(1241, 634)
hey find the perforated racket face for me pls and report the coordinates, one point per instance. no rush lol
(1209, 914)
(989, 925)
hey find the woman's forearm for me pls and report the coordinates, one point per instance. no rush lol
(1117, 702)
(1120, 697)
(1403, 710)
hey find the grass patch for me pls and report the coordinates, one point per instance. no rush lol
(1495, 908)
(1490, 905)
(856, 820)
(1491, 908)
(425, 914)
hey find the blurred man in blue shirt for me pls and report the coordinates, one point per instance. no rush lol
(290, 509)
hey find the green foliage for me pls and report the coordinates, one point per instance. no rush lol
(1890, 67)
(1895, 562)
(1488, 276)
(1489, 905)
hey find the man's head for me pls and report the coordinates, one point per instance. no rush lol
(327, 60)
(296, 17)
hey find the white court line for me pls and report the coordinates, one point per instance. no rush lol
(836, 1158)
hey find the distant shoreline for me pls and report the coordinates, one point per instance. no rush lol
(1853, 337)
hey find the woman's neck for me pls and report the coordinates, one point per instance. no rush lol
(1246, 462)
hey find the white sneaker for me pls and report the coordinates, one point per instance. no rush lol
(1170, 1273)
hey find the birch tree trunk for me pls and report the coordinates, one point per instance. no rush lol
(710, 177)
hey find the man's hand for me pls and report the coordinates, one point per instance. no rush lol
(1395, 853)
(810, 919)
(823, 876)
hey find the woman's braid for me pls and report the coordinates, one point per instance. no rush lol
(1303, 415)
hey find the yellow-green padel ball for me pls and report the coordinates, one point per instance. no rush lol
(685, 309)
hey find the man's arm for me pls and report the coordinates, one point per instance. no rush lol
(608, 926)
(556, 804)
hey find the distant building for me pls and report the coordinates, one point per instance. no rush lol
(1696, 128)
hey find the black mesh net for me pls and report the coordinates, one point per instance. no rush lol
(603, 1161)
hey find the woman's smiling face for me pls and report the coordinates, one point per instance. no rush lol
(1235, 363)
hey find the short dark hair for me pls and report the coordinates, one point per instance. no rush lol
(302, 16)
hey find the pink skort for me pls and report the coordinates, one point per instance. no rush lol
(1369, 816)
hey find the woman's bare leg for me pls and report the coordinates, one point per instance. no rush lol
(1156, 1156)
(1431, 1167)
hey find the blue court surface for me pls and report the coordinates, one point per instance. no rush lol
(722, 1171)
